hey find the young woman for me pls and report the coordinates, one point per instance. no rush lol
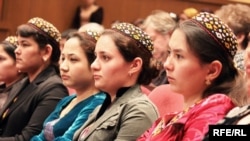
(239, 115)
(33, 98)
(122, 64)
(200, 67)
(72, 111)
(9, 74)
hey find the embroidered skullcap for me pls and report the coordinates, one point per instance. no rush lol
(135, 33)
(12, 40)
(93, 34)
(45, 28)
(219, 31)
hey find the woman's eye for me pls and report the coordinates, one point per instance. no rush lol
(73, 59)
(106, 58)
(2, 58)
(178, 56)
(168, 52)
(23, 44)
(62, 58)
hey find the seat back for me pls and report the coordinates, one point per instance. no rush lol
(166, 100)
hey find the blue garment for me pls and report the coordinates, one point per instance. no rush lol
(65, 127)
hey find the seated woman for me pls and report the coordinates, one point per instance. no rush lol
(200, 67)
(72, 111)
(122, 64)
(33, 98)
(9, 74)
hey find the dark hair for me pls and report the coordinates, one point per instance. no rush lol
(208, 50)
(87, 44)
(27, 31)
(67, 33)
(9, 49)
(130, 49)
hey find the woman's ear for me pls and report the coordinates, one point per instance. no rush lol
(240, 37)
(136, 65)
(214, 70)
(47, 52)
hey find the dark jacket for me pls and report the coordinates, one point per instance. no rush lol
(96, 17)
(29, 104)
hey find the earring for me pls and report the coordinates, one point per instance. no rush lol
(44, 59)
(208, 82)
(130, 74)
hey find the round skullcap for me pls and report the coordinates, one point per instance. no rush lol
(12, 40)
(135, 33)
(45, 28)
(219, 31)
(93, 34)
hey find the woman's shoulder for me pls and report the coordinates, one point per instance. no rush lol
(216, 99)
(142, 103)
(216, 104)
(100, 95)
(94, 100)
(68, 98)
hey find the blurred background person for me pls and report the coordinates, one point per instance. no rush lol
(87, 12)
(247, 65)
(92, 26)
(187, 13)
(159, 26)
(237, 17)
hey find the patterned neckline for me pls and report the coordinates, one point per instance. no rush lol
(164, 123)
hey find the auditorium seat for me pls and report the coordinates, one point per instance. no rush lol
(166, 100)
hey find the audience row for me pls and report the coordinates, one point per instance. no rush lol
(164, 79)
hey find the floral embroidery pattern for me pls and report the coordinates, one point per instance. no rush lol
(46, 28)
(219, 31)
(135, 33)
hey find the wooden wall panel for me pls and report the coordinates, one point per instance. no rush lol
(17, 12)
(129, 10)
(60, 12)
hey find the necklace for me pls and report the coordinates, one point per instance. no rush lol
(163, 123)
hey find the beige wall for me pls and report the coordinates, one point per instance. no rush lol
(60, 12)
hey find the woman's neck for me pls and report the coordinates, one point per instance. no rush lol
(119, 92)
(86, 92)
(191, 101)
(34, 73)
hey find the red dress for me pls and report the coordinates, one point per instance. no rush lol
(192, 124)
